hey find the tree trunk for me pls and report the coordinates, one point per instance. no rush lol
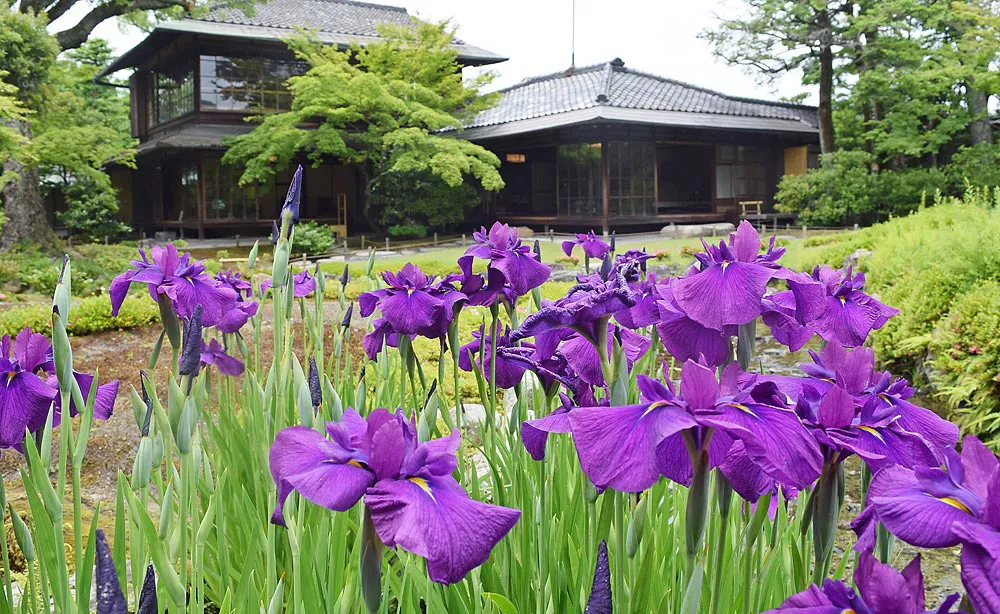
(825, 111)
(979, 129)
(26, 219)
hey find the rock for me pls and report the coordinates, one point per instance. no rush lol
(524, 232)
(683, 231)
(475, 414)
(856, 257)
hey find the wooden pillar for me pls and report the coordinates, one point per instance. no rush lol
(605, 186)
(201, 197)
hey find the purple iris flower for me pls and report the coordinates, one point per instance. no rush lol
(586, 307)
(215, 354)
(731, 280)
(869, 409)
(243, 309)
(33, 352)
(411, 304)
(687, 339)
(832, 304)
(408, 488)
(507, 255)
(628, 448)
(581, 354)
(303, 284)
(881, 590)
(185, 283)
(981, 552)
(923, 505)
(778, 312)
(508, 372)
(646, 311)
(634, 255)
(592, 246)
(24, 398)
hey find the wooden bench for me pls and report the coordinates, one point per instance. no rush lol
(752, 210)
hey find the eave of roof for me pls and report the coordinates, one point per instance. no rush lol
(469, 55)
(637, 116)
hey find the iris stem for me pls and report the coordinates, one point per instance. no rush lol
(620, 501)
(724, 496)
(495, 313)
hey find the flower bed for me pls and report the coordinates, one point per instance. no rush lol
(627, 455)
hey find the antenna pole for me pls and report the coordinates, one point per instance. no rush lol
(572, 56)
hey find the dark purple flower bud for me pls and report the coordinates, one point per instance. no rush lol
(190, 360)
(315, 390)
(110, 599)
(291, 205)
(143, 379)
(612, 246)
(537, 249)
(599, 601)
(346, 277)
(346, 323)
(606, 267)
(147, 598)
(275, 233)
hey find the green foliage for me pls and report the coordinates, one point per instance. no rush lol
(424, 197)
(383, 105)
(408, 231)
(11, 140)
(845, 190)
(89, 315)
(976, 165)
(27, 52)
(312, 238)
(92, 212)
(28, 268)
(965, 352)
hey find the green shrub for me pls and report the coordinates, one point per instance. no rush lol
(966, 360)
(312, 238)
(844, 191)
(92, 211)
(94, 266)
(89, 315)
(408, 231)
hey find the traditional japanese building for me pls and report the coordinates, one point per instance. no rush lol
(607, 146)
(196, 80)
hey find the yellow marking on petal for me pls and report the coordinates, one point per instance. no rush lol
(10, 376)
(725, 263)
(355, 463)
(843, 301)
(743, 408)
(869, 429)
(848, 611)
(652, 406)
(955, 503)
(885, 398)
(424, 486)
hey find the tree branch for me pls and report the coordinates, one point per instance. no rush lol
(75, 36)
(58, 8)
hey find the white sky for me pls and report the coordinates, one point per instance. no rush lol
(656, 36)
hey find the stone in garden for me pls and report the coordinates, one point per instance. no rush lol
(857, 256)
(524, 232)
(719, 229)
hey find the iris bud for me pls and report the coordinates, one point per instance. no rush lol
(22, 535)
(636, 527)
(315, 390)
(303, 399)
(280, 269)
(168, 495)
(599, 601)
(612, 241)
(143, 464)
(537, 249)
(606, 267)
(371, 263)
(346, 323)
(346, 277)
(154, 355)
(190, 361)
(186, 426)
(371, 564)
(61, 296)
(252, 259)
(590, 491)
(171, 325)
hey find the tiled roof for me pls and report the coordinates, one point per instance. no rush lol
(613, 85)
(336, 16)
